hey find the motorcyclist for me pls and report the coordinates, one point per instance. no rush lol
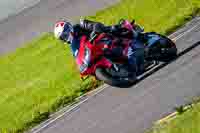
(72, 34)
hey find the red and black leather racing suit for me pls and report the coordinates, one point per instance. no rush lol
(86, 27)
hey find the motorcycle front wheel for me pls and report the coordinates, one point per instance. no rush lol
(114, 78)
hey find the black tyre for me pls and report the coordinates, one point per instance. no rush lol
(108, 78)
(168, 49)
(165, 50)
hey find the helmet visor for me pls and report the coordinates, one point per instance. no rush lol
(66, 35)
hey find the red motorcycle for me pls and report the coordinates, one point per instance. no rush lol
(113, 70)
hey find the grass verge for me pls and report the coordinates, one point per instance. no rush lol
(184, 122)
(41, 77)
(37, 80)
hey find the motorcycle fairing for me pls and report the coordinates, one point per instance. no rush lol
(90, 57)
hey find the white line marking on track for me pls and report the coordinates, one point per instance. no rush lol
(69, 110)
(184, 33)
(36, 130)
(183, 28)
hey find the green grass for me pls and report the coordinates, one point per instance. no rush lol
(37, 80)
(41, 77)
(187, 122)
(155, 15)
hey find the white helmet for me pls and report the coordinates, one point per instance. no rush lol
(62, 30)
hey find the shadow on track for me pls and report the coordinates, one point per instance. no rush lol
(158, 67)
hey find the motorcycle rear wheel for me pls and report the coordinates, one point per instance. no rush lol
(164, 50)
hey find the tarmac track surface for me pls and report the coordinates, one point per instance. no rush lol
(112, 110)
(30, 23)
(135, 109)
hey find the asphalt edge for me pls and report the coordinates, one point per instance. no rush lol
(82, 99)
(68, 109)
(173, 115)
